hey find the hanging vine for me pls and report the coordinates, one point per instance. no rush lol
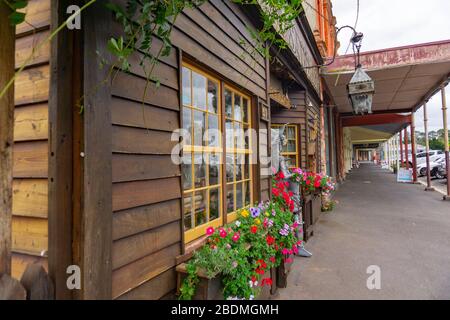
(142, 20)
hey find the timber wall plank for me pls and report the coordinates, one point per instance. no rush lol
(146, 193)
(30, 165)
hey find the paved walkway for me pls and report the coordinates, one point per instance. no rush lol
(398, 227)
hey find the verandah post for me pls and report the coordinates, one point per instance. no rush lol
(427, 147)
(7, 50)
(413, 147)
(444, 119)
(401, 148)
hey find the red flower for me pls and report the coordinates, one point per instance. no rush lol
(275, 192)
(236, 236)
(259, 271)
(266, 281)
(253, 278)
(291, 206)
(272, 259)
(270, 240)
(281, 175)
(253, 229)
(209, 231)
(280, 185)
(317, 183)
(308, 182)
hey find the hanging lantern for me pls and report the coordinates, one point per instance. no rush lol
(360, 91)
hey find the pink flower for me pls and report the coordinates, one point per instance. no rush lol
(222, 233)
(285, 251)
(236, 236)
(209, 231)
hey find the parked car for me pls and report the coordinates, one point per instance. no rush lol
(440, 171)
(422, 168)
(421, 157)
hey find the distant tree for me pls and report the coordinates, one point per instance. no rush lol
(433, 134)
(436, 144)
(420, 137)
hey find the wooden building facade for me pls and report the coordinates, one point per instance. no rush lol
(95, 184)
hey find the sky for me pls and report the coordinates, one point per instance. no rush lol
(393, 23)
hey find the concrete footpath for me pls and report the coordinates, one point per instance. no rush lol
(398, 227)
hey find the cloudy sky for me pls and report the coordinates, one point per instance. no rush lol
(393, 23)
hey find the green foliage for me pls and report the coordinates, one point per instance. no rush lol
(328, 205)
(437, 144)
(278, 16)
(141, 21)
(16, 17)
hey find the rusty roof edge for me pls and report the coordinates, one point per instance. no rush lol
(436, 88)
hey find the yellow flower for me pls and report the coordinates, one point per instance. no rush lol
(245, 213)
(266, 214)
(257, 221)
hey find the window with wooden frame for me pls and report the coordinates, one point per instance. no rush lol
(204, 159)
(290, 149)
(238, 153)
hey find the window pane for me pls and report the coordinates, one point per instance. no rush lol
(188, 209)
(238, 135)
(237, 108)
(291, 146)
(187, 124)
(199, 89)
(199, 170)
(228, 103)
(187, 171)
(230, 198)
(229, 134)
(201, 207)
(214, 204)
(213, 130)
(214, 169)
(247, 133)
(290, 161)
(212, 96)
(186, 86)
(246, 193)
(247, 167)
(245, 110)
(239, 196)
(239, 166)
(199, 127)
(230, 167)
(290, 132)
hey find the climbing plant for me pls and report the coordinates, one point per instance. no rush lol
(141, 20)
(16, 17)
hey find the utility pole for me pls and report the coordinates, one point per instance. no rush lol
(7, 48)
(427, 147)
(444, 118)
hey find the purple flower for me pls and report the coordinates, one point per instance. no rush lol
(255, 212)
(285, 230)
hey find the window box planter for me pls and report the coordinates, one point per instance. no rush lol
(211, 289)
(282, 272)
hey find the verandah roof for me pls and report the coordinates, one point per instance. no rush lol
(404, 77)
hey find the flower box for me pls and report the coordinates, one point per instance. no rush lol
(282, 272)
(211, 289)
